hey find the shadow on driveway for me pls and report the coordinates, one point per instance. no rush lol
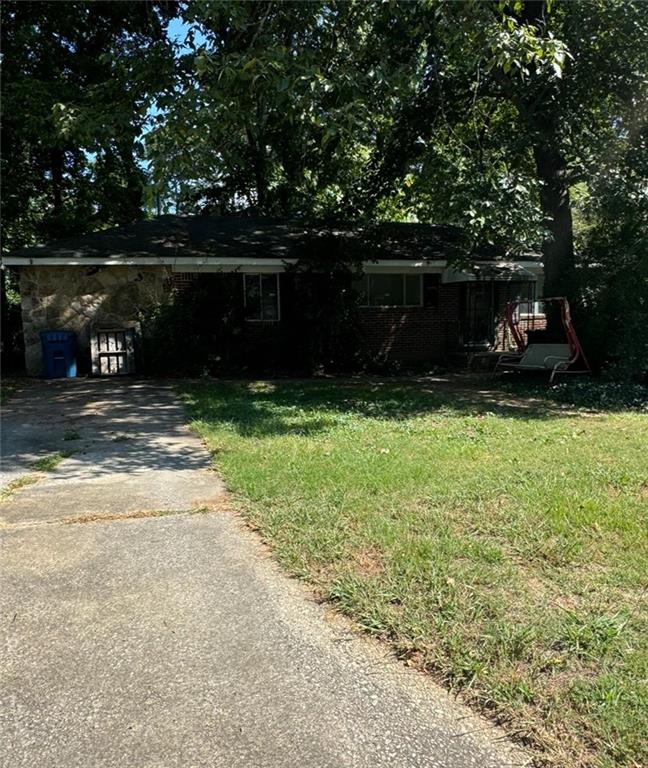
(126, 444)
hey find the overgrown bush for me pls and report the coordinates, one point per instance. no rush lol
(324, 305)
(193, 331)
(11, 344)
(202, 328)
(615, 324)
(614, 265)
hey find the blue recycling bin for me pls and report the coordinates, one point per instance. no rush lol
(59, 354)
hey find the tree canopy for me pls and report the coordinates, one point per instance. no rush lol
(77, 82)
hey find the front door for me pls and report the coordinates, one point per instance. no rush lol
(478, 321)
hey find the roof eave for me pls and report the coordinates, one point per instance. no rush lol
(231, 263)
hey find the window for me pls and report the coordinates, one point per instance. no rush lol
(530, 308)
(530, 304)
(390, 290)
(261, 297)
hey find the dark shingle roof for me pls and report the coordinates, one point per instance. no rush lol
(204, 236)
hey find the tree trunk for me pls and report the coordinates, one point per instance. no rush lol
(56, 166)
(558, 249)
(133, 202)
(257, 152)
(543, 120)
(4, 308)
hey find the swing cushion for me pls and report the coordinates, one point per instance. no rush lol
(541, 356)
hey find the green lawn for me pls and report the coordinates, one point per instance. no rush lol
(498, 541)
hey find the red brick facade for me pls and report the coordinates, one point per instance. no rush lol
(505, 339)
(389, 334)
(413, 333)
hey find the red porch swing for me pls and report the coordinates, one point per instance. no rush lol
(543, 355)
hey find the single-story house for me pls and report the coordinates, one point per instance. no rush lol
(415, 306)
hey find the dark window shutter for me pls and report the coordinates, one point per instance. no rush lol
(431, 286)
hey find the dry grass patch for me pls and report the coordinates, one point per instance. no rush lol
(137, 515)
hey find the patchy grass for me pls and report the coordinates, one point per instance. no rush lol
(16, 485)
(44, 464)
(497, 540)
(49, 463)
(71, 434)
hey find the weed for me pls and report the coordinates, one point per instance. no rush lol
(49, 463)
(16, 485)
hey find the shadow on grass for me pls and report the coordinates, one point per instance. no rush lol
(307, 407)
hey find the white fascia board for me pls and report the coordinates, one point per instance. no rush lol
(231, 264)
(178, 263)
(228, 264)
(279, 265)
(402, 265)
(85, 261)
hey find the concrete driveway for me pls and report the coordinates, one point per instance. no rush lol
(144, 626)
(128, 445)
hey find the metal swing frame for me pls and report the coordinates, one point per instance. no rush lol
(529, 356)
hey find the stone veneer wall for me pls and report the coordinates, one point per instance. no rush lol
(82, 298)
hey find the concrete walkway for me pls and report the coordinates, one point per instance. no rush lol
(173, 640)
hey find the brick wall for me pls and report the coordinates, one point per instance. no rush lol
(505, 340)
(408, 334)
(413, 333)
